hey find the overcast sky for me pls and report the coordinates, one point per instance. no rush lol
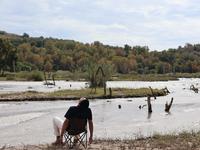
(159, 24)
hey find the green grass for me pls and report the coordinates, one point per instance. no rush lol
(81, 76)
(145, 77)
(154, 77)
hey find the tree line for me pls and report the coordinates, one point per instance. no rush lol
(25, 53)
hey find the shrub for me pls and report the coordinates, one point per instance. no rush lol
(10, 77)
(35, 76)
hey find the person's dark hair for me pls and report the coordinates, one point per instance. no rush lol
(84, 104)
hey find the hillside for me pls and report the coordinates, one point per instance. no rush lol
(25, 53)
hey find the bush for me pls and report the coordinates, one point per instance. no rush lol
(35, 76)
(63, 75)
(10, 77)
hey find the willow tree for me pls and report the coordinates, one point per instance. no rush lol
(98, 75)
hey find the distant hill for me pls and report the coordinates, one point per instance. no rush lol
(51, 54)
(4, 34)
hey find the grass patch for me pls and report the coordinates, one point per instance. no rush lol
(23, 76)
(76, 94)
(154, 77)
(141, 92)
(82, 76)
(145, 77)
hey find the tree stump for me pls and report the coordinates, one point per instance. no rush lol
(110, 92)
(168, 106)
(149, 104)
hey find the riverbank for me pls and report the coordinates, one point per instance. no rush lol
(77, 94)
(82, 76)
(182, 141)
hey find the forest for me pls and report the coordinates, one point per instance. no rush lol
(25, 53)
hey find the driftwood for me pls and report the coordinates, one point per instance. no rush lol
(166, 90)
(142, 106)
(168, 106)
(192, 87)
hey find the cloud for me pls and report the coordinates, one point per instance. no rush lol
(178, 2)
(157, 24)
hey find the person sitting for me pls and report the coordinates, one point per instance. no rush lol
(81, 111)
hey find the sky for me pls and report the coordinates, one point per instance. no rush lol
(158, 24)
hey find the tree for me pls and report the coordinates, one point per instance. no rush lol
(25, 35)
(48, 66)
(12, 60)
(121, 64)
(127, 48)
(66, 62)
(7, 56)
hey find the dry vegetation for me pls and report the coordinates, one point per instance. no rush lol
(76, 94)
(182, 141)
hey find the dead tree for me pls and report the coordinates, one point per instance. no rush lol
(110, 92)
(149, 104)
(54, 83)
(47, 83)
(168, 106)
(94, 86)
(45, 78)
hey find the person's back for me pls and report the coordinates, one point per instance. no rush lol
(78, 112)
(81, 112)
(77, 119)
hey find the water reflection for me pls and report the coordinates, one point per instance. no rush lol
(149, 115)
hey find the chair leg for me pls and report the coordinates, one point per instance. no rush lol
(81, 140)
(68, 140)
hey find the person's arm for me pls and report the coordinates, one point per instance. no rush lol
(91, 130)
(64, 127)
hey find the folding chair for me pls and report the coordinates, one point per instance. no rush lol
(76, 134)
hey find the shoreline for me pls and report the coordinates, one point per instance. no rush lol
(182, 141)
(63, 98)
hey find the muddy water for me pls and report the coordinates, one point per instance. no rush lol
(31, 122)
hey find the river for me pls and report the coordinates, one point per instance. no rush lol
(31, 122)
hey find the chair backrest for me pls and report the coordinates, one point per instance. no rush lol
(77, 126)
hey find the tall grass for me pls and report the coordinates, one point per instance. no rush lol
(30, 76)
(79, 76)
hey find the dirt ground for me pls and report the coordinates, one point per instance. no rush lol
(183, 141)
